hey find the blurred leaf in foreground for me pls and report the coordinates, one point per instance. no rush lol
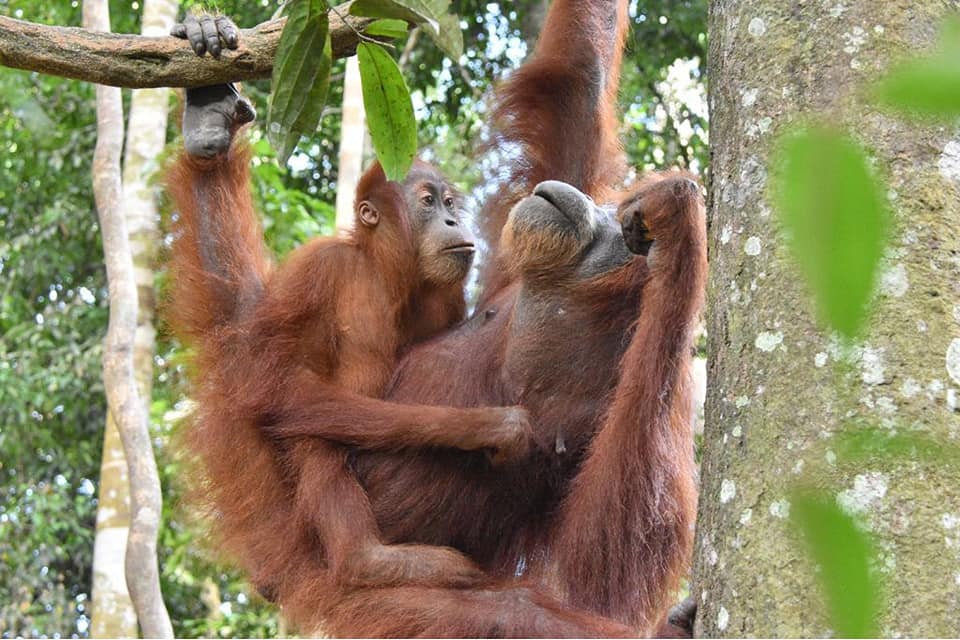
(858, 445)
(834, 210)
(301, 76)
(442, 27)
(928, 86)
(843, 553)
(414, 11)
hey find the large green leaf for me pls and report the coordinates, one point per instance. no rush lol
(928, 86)
(301, 75)
(843, 554)
(386, 99)
(415, 11)
(833, 209)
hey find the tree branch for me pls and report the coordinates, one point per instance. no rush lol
(134, 61)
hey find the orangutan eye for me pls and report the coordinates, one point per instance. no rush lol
(427, 200)
(448, 202)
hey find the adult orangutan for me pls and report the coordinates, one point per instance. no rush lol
(590, 533)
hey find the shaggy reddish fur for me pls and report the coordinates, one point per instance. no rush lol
(608, 525)
(590, 535)
(324, 328)
(559, 107)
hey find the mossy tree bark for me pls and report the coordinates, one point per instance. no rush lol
(780, 387)
(137, 62)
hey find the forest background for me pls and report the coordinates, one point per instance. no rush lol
(53, 296)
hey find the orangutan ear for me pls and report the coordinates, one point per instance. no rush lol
(367, 214)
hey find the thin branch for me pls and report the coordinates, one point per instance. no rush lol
(408, 48)
(135, 61)
(360, 36)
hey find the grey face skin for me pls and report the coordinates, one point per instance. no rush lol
(210, 118)
(577, 277)
(447, 245)
(558, 233)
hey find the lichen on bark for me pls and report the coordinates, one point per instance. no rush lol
(780, 387)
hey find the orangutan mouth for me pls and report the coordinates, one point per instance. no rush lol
(463, 247)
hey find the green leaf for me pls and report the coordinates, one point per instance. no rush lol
(386, 99)
(301, 76)
(450, 37)
(860, 445)
(843, 554)
(928, 86)
(414, 11)
(833, 209)
(388, 28)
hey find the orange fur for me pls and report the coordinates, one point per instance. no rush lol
(289, 362)
(585, 539)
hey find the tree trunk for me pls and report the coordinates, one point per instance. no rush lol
(780, 388)
(352, 131)
(123, 398)
(113, 615)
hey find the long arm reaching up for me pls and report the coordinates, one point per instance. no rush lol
(556, 115)
(220, 262)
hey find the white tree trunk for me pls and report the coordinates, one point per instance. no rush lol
(113, 615)
(123, 398)
(352, 131)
